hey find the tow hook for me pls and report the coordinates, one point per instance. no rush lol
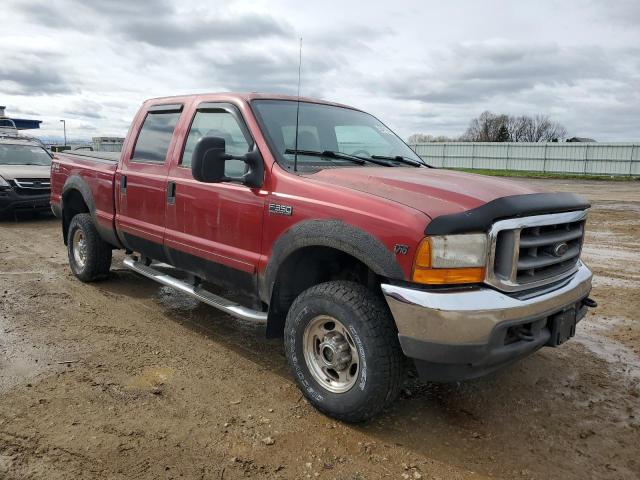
(590, 302)
(524, 333)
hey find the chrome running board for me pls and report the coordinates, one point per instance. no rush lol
(196, 292)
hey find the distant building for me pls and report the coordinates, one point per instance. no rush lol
(107, 144)
(17, 123)
(581, 140)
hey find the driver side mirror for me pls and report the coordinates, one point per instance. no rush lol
(208, 162)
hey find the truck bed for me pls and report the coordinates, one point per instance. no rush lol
(92, 173)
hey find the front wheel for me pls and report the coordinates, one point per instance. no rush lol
(342, 348)
(89, 255)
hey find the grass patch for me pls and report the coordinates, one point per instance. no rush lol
(527, 174)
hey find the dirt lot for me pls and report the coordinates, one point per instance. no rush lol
(127, 379)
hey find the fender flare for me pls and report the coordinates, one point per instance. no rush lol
(334, 234)
(76, 182)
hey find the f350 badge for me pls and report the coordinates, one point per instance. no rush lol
(278, 209)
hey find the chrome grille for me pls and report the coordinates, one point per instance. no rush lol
(39, 183)
(534, 251)
(32, 186)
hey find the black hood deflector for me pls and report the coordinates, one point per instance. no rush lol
(481, 218)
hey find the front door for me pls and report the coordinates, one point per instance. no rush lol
(214, 229)
(142, 183)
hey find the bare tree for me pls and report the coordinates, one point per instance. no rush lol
(517, 127)
(426, 138)
(419, 138)
(492, 127)
(542, 129)
(489, 127)
(485, 128)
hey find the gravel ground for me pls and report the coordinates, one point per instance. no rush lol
(128, 379)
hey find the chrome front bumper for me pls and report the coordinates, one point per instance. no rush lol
(468, 317)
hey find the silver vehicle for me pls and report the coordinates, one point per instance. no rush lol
(24, 174)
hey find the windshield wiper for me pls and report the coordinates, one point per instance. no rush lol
(338, 155)
(401, 159)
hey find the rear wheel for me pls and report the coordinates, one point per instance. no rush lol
(89, 255)
(343, 350)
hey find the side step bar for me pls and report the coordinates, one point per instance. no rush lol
(196, 292)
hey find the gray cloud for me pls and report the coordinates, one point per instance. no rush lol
(273, 72)
(356, 38)
(31, 73)
(623, 12)
(41, 12)
(74, 14)
(171, 32)
(593, 90)
(476, 72)
(117, 8)
(13, 110)
(86, 127)
(85, 109)
(154, 22)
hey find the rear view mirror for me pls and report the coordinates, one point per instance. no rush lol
(208, 162)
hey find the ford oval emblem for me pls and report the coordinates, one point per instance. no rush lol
(560, 248)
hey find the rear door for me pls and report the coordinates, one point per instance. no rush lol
(214, 229)
(142, 182)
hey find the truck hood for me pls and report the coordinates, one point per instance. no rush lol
(432, 191)
(11, 172)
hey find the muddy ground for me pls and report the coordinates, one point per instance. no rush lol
(127, 379)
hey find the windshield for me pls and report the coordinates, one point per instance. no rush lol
(326, 128)
(23, 155)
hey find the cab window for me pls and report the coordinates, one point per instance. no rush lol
(155, 136)
(219, 123)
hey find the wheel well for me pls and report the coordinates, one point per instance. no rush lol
(309, 266)
(72, 204)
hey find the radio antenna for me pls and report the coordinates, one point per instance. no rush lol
(295, 155)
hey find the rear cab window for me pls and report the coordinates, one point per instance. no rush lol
(156, 133)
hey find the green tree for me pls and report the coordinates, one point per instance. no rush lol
(503, 134)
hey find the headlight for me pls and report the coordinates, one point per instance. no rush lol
(4, 183)
(451, 259)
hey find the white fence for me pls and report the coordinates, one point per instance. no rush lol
(575, 158)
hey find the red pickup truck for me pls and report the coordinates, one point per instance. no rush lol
(332, 231)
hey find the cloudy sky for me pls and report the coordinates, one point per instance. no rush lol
(421, 66)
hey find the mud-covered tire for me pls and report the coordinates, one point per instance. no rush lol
(95, 262)
(370, 326)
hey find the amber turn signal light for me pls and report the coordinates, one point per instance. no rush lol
(446, 276)
(423, 255)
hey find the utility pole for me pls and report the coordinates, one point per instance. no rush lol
(64, 127)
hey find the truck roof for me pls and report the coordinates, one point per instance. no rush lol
(12, 139)
(247, 97)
